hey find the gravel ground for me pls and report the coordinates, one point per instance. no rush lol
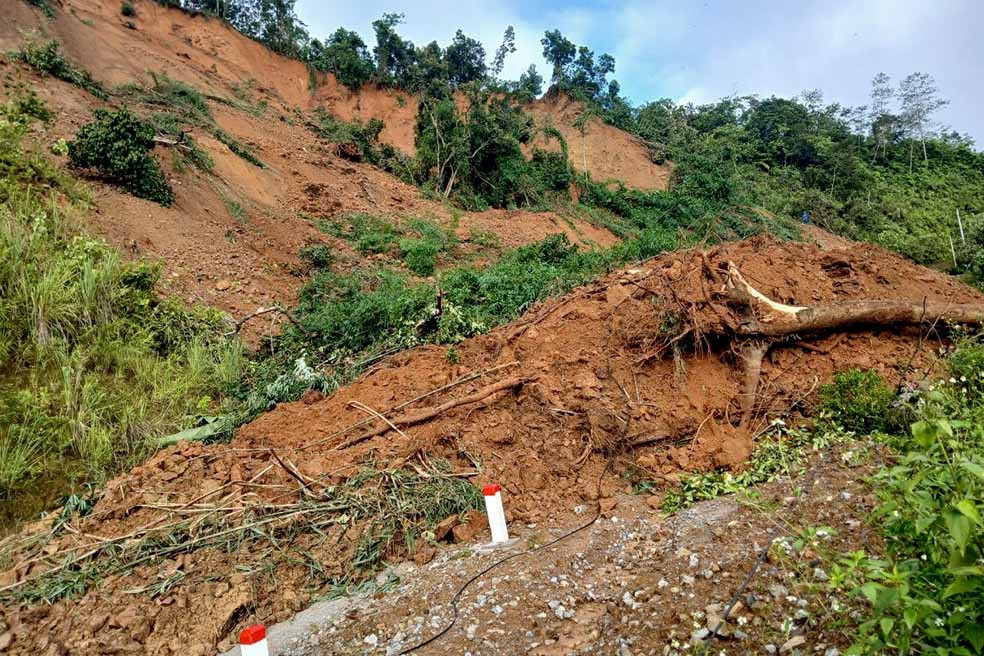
(634, 582)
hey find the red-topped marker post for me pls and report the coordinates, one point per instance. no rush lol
(497, 516)
(253, 641)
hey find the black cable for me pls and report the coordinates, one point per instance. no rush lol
(461, 590)
(774, 534)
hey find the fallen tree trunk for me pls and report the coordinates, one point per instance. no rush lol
(764, 322)
(778, 320)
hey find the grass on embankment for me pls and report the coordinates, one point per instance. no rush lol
(95, 364)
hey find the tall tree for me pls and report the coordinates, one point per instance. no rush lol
(465, 59)
(395, 56)
(506, 48)
(559, 52)
(920, 100)
(881, 97)
(345, 54)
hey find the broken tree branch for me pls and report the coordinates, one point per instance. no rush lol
(261, 312)
(426, 414)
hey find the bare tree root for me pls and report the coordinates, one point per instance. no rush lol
(751, 354)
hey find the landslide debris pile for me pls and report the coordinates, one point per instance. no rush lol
(639, 373)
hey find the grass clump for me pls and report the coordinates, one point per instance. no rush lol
(127, 9)
(47, 58)
(118, 145)
(186, 146)
(94, 366)
(418, 242)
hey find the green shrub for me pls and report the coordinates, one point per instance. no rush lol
(317, 256)
(118, 144)
(924, 596)
(44, 6)
(857, 401)
(47, 58)
(127, 9)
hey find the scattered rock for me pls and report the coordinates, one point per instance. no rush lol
(444, 527)
(223, 285)
(792, 643)
(372, 640)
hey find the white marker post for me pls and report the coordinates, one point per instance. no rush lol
(253, 641)
(497, 516)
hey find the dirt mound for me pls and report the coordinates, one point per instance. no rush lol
(561, 407)
(602, 150)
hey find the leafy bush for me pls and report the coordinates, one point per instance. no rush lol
(925, 596)
(127, 9)
(857, 401)
(117, 144)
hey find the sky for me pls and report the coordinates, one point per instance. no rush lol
(697, 51)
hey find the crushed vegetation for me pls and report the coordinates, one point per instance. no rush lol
(47, 58)
(181, 104)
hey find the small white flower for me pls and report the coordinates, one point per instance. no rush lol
(953, 381)
(938, 621)
(923, 556)
(963, 379)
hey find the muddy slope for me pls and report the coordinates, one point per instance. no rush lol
(232, 237)
(579, 407)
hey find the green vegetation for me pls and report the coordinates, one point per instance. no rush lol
(117, 144)
(852, 169)
(418, 242)
(95, 365)
(44, 6)
(857, 401)
(360, 143)
(781, 452)
(924, 594)
(127, 9)
(47, 58)
(180, 103)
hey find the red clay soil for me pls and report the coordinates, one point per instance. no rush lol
(604, 151)
(209, 254)
(581, 408)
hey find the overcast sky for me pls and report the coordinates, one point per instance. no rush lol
(702, 51)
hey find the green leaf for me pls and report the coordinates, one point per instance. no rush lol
(911, 616)
(969, 510)
(870, 591)
(973, 468)
(962, 584)
(959, 527)
(886, 624)
(975, 635)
